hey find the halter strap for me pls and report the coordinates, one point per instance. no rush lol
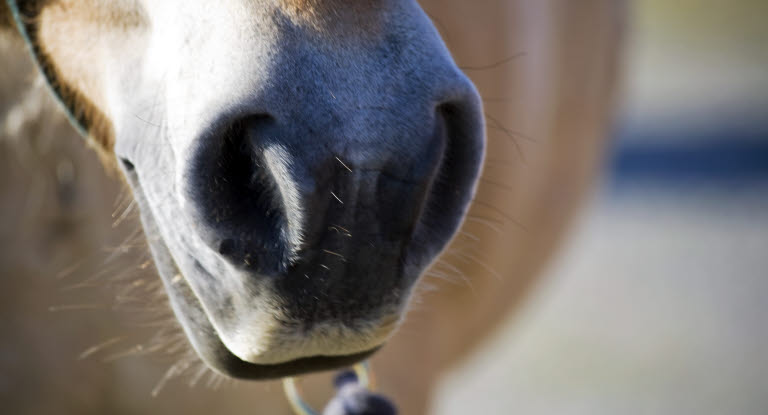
(18, 19)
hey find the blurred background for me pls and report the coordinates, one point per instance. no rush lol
(658, 300)
(655, 302)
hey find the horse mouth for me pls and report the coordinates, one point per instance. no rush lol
(251, 371)
(199, 328)
(213, 351)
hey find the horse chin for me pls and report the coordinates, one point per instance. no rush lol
(215, 354)
(208, 344)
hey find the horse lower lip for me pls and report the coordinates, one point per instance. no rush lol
(221, 359)
(233, 366)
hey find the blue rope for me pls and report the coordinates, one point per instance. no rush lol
(352, 398)
(13, 5)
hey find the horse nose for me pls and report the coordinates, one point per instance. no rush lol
(268, 191)
(453, 182)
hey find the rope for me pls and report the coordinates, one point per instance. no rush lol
(18, 19)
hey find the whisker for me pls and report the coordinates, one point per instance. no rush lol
(469, 236)
(215, 380)
(483, 221)
(494, 64)
(75, 307)
(337, 198)
(497, 126)
(147, 122)
(163, 323)
(153, 348)
(176, 369)
(69, 270)
(340, 230)
(133, 351)
(342, 163)
(442, 262)
(90, 281)
(510, 132)
(489, 160)
(176, 346)
(201, 371)
(457, 273)
(98, 347)
(124, 215)
(335, 254)
(477, 261)
(500, 212)
(129, 242)
(501, 185)
(450, 279)
(122, 199)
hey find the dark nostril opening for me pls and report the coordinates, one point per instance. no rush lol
(236, 198)
(127, 164)
(464, 146)
(452, 187)
(227, 247)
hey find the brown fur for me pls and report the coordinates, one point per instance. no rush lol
(351, 18)
(53, 27)
(75, 87)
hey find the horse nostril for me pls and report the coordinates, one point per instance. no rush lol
(237, 201)
(452, 188)
(227, 247)
(127, 164)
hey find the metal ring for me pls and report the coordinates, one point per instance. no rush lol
(300, 407)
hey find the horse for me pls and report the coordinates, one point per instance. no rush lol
(300, 165)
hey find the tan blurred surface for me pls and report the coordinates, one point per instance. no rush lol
(61, 251)
(657, 306)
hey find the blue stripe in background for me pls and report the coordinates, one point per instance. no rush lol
(706, 158)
